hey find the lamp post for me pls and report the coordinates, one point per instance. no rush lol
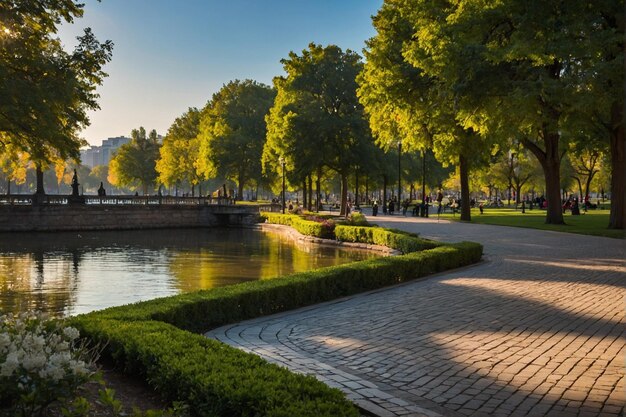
(399, 173)
(282, 163)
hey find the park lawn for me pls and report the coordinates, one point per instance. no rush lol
(594, 222)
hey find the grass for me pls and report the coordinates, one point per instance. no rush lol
(594, 222)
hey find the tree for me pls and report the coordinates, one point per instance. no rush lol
(404, 102)
(232, 132)
(99, 174)
(134, 163)
(179, 152)
(512, 168)
(600, 98)
(14, 165)
(519, 67)
(45, 92)
(317, 120)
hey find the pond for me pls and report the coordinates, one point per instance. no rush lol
(72, 273)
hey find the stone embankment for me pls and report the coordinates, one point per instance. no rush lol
(33, 218)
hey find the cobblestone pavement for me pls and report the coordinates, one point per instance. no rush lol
(537, 329)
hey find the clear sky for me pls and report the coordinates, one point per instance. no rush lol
(170, 55)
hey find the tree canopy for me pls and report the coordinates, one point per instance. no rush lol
(45, 92)
(232, 132)
(510, 69)
(317, 120)
(134, 163)
(179, 153)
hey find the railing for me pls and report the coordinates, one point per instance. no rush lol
(272, 208)
(50, 199)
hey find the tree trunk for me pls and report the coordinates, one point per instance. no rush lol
(39, 175)
(344, 194)
(464, 174)
(8, 187)
(240, 185)
(550, 161)
(356, 189)
(318, 190)
(617, 218)
(304, 188)
(424, 177)
(592, 173)
(580, 188)
(310, 206)
(384, 194)
(193, 190)
(367, 191)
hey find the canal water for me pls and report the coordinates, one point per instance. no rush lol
(71, 273)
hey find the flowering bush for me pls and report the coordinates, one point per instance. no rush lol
(328, 226)
(41, 361)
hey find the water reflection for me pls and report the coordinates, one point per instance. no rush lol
(71, 273)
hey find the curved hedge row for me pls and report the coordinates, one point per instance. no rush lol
(396, 239)
(400, 240)
(306, 227)
(154, 338)
(214, 379)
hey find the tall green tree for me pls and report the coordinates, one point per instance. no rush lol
(134, 163)
(600, 96)
(406, 103)
(317, 120)
(45, 91)
(232, 132)
(179, 153)
(518, 68)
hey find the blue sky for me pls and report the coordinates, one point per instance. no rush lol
(170, 55)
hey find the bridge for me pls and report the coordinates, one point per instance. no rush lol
(26, 212)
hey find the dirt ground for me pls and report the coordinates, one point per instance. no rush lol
(131, 392)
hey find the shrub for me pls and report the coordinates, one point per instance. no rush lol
(396, 239)
(41, 361)
(321, 228)
(357, 219)
(213, 379)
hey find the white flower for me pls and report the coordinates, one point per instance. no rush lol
(32, 362)
(79, 368)
(52, 371)
(5, 340)
(71, 333)
(10, 365)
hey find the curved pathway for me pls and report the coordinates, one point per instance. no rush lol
(536, 329)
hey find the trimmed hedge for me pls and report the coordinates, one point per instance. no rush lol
(212, 378)
(396, 239)
(403, 241)
(154, 339)
(306, 227)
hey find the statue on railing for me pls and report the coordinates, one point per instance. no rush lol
(75, 185)
(101, 191)
(75, 198)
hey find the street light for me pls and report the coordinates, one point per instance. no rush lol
(517, 196)
(282, 163)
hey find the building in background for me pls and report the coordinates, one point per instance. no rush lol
(101, 155)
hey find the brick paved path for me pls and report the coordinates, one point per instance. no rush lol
(537, 329)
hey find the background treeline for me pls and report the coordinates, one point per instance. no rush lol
(515, 96)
